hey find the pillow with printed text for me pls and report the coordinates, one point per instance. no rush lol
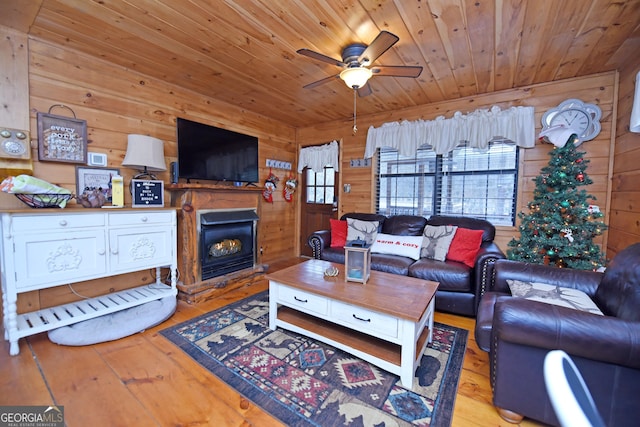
(408, 246)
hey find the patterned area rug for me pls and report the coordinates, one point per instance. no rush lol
(303, 382)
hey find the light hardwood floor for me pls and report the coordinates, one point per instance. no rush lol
(144, 380)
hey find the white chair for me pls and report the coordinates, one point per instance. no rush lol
(569, 395)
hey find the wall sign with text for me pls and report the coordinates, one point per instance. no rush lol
(147, 193)
(62, 139)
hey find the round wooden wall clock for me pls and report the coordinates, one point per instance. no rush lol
(583, 118)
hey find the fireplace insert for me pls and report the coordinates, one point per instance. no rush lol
(227, 242)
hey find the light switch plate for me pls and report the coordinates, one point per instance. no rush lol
(96, 159)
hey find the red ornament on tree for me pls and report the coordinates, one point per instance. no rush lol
(580, 177)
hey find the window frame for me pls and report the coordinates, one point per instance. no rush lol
(439, 176)
(327, 171)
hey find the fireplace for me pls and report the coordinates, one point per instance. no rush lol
(227, 241)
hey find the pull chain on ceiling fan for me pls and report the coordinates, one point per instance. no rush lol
(356, 58)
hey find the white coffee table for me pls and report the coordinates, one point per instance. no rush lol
(388, 321)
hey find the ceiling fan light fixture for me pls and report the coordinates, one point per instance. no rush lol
(356, 77)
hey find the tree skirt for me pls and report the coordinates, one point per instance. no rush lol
(304, 382)
(115, 325)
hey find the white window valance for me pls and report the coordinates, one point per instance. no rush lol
(318, 157)
(443, 135)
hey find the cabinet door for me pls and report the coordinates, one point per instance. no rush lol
(50, 259)
(138, 248)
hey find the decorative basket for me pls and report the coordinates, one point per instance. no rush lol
(47, 200)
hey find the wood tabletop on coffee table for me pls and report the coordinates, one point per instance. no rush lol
(400, 296)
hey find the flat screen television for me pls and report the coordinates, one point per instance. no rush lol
(210, 153)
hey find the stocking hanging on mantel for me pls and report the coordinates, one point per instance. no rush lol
(516, 124)
(270, 185)
(289, 188)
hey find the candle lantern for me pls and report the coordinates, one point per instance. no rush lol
(357, 261)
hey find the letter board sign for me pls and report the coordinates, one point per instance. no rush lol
(147, 193)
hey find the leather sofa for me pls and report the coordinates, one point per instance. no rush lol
(460, 285)
(518, 333)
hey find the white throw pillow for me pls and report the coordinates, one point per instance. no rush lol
(365, 230)
(408, 246)
(551, 294)
(436, 241)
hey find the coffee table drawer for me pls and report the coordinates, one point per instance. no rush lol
(364, 320)
(303, 300)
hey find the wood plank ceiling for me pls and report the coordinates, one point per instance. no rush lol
(244, 51)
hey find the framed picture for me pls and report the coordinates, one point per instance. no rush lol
(147, 193)
(95, 178)
(62, 139)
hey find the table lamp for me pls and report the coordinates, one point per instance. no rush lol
(145, 153)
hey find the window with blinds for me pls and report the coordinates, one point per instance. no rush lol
(466, 182)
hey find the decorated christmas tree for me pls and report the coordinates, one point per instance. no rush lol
(561, 224)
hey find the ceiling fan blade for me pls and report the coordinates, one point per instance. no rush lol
(321, 57)
(321, 82)
(365, 90)
(397, 71)
(378, 46)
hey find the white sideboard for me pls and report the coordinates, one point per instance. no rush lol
(46, 248)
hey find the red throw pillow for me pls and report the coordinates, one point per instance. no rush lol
(465, 246)
(338, 233)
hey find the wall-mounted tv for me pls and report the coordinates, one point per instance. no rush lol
(210, 153)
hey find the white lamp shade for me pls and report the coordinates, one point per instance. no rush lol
(634, 124)
(145, 151)
(356, 77)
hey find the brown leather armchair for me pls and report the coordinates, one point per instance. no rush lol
(518, 333)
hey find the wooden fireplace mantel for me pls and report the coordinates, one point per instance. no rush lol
(190, 199)
(213, 187)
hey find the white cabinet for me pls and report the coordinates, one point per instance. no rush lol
(56, 247)
(40, 258)
(140, 240)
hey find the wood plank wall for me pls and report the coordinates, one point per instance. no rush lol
(624, 224)
(116, 101)
(599, 89)
(14, 89)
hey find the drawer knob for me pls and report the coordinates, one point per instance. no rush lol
(114, 251)
(101, 252)
(361, 319)
(145, 219)
(63, 222)
(300, 300)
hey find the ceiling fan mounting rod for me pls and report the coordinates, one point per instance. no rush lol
(355, 128)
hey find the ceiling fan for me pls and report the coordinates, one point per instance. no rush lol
(356, 60)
